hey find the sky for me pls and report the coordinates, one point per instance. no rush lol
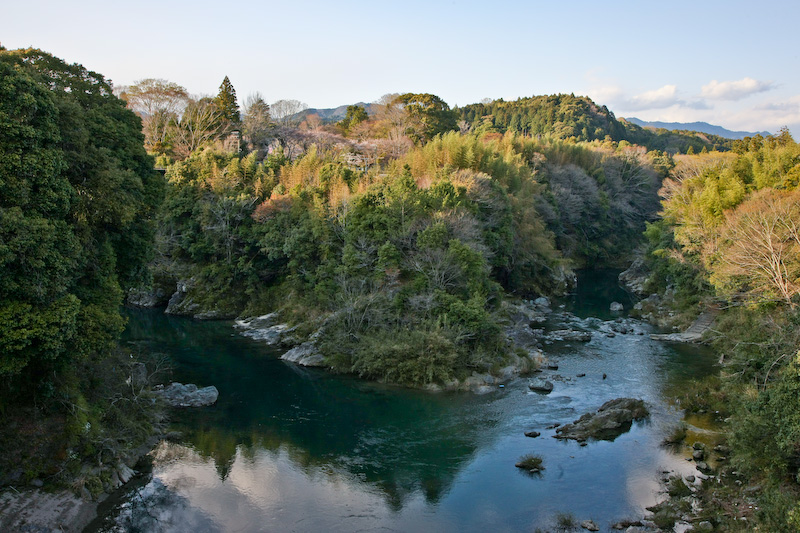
(730, 63)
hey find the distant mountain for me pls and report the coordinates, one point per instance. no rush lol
(702, 127)
(335, 114)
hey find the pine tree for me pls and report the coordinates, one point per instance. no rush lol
(226, 101)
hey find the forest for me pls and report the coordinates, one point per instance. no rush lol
(396, 234)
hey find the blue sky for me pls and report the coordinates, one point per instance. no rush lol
(729, 63)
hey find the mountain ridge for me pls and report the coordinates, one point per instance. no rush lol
(702, 127)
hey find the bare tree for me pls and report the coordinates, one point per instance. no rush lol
(200, 123)
(158, 102)
(286, 112)
(759, 252)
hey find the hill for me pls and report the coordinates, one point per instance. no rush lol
(702, 127)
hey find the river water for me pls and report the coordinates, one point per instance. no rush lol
(294, 449)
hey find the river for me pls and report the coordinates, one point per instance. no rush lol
(293, 449)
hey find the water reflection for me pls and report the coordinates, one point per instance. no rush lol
(295, 449)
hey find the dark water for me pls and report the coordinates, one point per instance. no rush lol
(293, 449)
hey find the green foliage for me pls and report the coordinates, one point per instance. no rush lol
(355, 115)
(578, 118)
(225, 102)
(429, 115)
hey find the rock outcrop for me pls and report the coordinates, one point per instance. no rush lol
(635, 278)
(306, 354)
(607, 423)
(179, 395)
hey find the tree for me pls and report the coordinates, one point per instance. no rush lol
(287, 112)
(256, 124)
(759, 252)
(355, 115)
(429, 115)
(226, 102)
(78, 196)
(201, 122)
(158, 102)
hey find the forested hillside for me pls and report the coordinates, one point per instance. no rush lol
(78, 200)
(578, 118)
(730, 239)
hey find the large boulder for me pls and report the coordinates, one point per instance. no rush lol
(179, 395)
(610, 421)
(540, 385)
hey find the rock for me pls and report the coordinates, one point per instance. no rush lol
(263, 328)
(570, 335)
(611, 420)
(180, 303)
(540, 385)
(306, 354)
(147, 298)
(115, 482)
(124, 473)
(582, 374)
(690, 479)
(635, 278)
(703, 466)
(705, 525)
(38, 483)
(698, 446)
(616, 307)
(590, 525)
(532, 434)
(698, 455)
(179, 395)
(542, 301)
(625, 524)
(552, 366)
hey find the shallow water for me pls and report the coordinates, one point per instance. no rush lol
(294, 449)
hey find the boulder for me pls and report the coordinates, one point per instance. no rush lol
(532, 434)
(179, 395)
(306, 354)
(616, 307)
(540, 385)
(589, 525)
(607, 423)
(264, 328)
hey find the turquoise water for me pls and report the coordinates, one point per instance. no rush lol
(294, 449)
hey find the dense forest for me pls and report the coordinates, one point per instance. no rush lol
(395, 237)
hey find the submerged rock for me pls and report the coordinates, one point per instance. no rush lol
(179, 395)
(590, 525)
(607, 423)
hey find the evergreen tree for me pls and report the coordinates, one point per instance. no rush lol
(226, 101)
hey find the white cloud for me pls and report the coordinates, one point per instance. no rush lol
(666, 96)
(735, 90)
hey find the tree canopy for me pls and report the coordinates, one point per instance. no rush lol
(78, 196)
